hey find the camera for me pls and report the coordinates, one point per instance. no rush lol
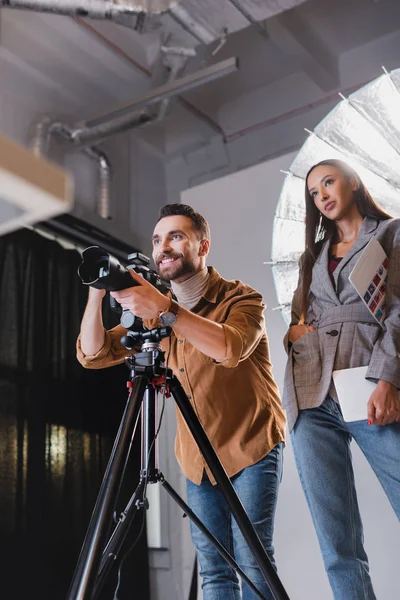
(103, 271)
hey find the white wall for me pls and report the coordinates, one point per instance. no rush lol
(240, 209)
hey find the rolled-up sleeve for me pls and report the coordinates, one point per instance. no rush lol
(243, 328)
(112, 353)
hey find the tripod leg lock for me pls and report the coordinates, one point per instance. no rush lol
(159, 382)
(142, 503)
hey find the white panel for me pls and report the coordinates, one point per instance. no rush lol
(153, 515)
(31, 188)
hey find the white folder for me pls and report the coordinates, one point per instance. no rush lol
(353, 392)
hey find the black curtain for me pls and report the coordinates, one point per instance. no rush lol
(57, 426)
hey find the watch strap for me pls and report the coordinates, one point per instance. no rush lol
(174, 307)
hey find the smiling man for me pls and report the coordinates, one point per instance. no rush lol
(219, 351)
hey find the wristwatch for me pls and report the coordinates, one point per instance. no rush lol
(168, 317)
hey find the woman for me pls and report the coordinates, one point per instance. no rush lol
(332, 329)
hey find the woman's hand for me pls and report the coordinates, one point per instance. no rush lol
(384, 404)
(297, 331)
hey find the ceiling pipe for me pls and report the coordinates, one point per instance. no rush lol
(174, 61)
(115, 48)
(120, 120)
(137, 113)
(95, 9)
(43, 132)
(107, 9)
(165, 104)
(103, 207)
(128, 13)
(101, 131)
(103, 163)
(196, 29)
(169, 90)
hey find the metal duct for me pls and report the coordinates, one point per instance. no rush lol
(104, 187)
(104, 166)
(205, 20)
(40, 144)
(137, 113)
(96, 9)
(122, 119)
(149, 6)
(170, 89)
(102, 130)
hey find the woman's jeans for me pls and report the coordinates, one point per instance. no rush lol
(257, 487)
(321, 444)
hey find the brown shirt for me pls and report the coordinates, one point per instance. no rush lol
(237, 400)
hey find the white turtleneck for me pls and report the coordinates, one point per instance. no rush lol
(189, 292)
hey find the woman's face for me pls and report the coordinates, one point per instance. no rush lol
(332, 192)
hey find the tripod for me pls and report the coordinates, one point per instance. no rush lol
(147, 375)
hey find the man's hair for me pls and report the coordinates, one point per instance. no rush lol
(200, 225)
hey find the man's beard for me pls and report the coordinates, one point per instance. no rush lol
(185, 267)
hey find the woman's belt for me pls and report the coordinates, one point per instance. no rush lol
(345, 313)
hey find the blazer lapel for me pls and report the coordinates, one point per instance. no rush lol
(368, 226)
(321, 278)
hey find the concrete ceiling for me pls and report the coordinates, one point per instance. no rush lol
(289, 60)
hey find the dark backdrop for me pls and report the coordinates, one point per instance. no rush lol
(57, 425)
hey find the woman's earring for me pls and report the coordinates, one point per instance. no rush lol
(319, 232)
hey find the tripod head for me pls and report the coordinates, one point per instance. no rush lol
(149, 361)
(144, 336)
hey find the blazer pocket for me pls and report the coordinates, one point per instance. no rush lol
(307, 367)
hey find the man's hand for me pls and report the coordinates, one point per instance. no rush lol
(143, 300)
(384, 404)
(96, 295)
(297, 331)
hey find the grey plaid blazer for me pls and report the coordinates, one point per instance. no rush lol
(346, 334)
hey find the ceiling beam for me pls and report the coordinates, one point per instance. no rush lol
(298, 40)
(247, 15)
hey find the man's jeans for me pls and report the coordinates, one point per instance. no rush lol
(257, 487)
(321, 444)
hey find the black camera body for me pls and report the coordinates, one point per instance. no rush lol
(101, 270)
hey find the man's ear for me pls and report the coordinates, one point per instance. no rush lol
(204, 247)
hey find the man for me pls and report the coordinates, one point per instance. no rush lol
(219, 351)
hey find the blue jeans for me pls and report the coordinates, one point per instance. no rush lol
(321, 444)
(257, 487)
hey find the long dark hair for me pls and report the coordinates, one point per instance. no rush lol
(319, 228)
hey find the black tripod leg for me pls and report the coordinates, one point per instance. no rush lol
(219, 547)
(225, 485)
(148, 474)
(119, 534)
(83, 581)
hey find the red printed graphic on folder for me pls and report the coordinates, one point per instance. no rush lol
(369, 278)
